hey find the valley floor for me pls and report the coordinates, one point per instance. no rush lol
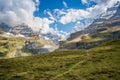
(99, 63)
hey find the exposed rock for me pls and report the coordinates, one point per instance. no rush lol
(106, 27)
(22, 29)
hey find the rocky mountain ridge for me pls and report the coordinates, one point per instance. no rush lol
(21, 40)
(102, 29)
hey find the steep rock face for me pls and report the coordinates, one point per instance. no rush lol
(106, 27)
(4, 27)
(16, 30)
(21, 29)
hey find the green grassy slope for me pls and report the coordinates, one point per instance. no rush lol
(15, 46)
(9, 45)
(100, 63)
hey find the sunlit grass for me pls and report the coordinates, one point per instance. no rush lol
(100, 63)
(93, 40)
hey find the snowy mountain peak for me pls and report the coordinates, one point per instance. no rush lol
(110, 12)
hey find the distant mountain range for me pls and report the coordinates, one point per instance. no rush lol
(104, 28)
(111, 16)
(21, 40)
(26, 31)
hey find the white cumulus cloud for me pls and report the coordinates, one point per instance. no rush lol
(15, 12)
(73, 15)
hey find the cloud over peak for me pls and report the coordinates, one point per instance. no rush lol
(13, 12)
(73, 15)
(16, 12)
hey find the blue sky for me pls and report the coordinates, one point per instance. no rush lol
(51, 5)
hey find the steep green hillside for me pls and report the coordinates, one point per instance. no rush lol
(10, 46)
(100, 63)
(21, 46)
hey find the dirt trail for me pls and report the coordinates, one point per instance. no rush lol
(72, 68)
(75, 65)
